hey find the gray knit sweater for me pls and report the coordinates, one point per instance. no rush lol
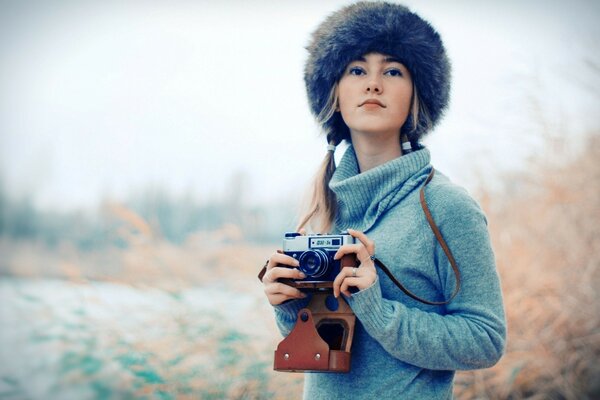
(404, 349)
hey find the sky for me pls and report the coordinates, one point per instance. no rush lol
(101, 100)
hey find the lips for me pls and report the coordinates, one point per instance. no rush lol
(372, 102)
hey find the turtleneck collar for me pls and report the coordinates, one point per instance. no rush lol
(363, 197)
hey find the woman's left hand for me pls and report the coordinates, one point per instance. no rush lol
(363, 275)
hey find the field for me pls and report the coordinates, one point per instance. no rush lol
(162, 321)
(173, 323)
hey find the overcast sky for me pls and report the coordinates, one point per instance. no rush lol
(102, 99)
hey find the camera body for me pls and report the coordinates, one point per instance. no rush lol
(315, 255)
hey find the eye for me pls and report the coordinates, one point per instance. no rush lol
(356, 71)
(393, 72)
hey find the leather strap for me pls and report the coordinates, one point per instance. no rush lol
(263, 271)
(439, 238)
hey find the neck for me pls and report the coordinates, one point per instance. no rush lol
(373, 150)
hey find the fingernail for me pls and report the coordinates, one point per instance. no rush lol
(301, 274)
(296, 263)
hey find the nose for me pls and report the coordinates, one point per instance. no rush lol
(374, 86)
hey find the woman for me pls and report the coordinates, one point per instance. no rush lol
(378, 77)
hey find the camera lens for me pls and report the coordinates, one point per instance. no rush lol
(314, 263)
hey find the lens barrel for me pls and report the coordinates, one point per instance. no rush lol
(314, 263)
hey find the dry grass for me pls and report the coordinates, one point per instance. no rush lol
(546, 235)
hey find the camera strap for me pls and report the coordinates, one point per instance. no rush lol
(441, 241)
(439, 238)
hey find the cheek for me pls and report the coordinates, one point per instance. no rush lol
(345, 102)
(343, 95)
(403, 100)
(405, 105)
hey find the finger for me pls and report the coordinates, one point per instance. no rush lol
(302, 231)
(337, 282)
(283, 289)
(364, 239)
(356, 248)
(347, 284)
(277, 299)
(279, 258)
(276, 273)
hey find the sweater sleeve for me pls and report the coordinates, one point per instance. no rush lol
(471, 331)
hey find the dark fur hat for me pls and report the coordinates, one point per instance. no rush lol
(386, 28)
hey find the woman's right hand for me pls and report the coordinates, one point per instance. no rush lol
(277, 268)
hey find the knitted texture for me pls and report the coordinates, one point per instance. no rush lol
(386, 28)
(403, 348)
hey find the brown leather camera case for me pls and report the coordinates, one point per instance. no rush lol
(305, 349)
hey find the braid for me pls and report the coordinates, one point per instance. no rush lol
(323, 205)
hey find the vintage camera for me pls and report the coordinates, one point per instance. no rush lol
(315, 255)
(322, 336)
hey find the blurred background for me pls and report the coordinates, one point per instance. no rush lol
(152, 154)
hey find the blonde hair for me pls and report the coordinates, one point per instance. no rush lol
(322, 206)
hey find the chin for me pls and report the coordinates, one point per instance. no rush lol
(376, 124)
(374, 129)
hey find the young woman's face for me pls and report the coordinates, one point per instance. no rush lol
(374, 94)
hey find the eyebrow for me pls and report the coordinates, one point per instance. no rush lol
(385, 60)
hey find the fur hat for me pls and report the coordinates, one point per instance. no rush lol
(386, 28)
